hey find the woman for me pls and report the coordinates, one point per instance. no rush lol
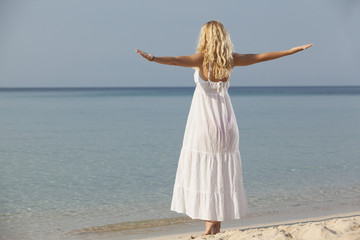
(209, 183)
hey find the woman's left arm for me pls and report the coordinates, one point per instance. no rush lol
(194, 60)
(248, 59)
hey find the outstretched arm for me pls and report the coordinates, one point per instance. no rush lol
(248, 59)
(182, 61)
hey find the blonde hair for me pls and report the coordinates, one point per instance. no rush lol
(215, 44)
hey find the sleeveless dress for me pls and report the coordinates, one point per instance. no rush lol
(209, 182)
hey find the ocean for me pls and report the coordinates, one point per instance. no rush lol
(76, 158)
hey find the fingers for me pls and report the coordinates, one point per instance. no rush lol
(145, 55)
(140, 52)
(301, 48)
(306, 46)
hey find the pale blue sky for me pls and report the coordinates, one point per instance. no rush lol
(87, 43)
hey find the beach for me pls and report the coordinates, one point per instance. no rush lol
(344, 227)
(100, 163)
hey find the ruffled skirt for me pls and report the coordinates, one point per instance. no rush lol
(209, 181)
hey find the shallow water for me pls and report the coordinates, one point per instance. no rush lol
(78, 158)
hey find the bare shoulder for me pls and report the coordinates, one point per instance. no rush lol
(194, 60)
(238, 56)
(243, 59)
(198, 57)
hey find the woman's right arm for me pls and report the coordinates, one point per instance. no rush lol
(194, 60)
(248, 59)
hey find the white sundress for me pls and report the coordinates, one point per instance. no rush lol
(209, 182)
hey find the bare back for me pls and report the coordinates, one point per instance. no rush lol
(204, 73)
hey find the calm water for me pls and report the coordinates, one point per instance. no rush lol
(76, 158)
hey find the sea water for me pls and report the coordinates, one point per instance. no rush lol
(77, 158)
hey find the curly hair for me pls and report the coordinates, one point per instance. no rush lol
(215, 44)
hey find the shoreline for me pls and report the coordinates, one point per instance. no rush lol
(335, 226)
(184, 228)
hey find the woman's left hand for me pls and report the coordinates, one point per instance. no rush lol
(145, 55)
(300, 48)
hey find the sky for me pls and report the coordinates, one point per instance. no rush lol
(88, 43)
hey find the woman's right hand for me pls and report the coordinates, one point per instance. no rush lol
(145, 55)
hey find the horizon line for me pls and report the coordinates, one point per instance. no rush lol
(113, 87)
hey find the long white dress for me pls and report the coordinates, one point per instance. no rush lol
(209, 182)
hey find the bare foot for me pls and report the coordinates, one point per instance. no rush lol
(210, 226)
(216, 228)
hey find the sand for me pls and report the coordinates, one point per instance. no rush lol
(329, 228)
